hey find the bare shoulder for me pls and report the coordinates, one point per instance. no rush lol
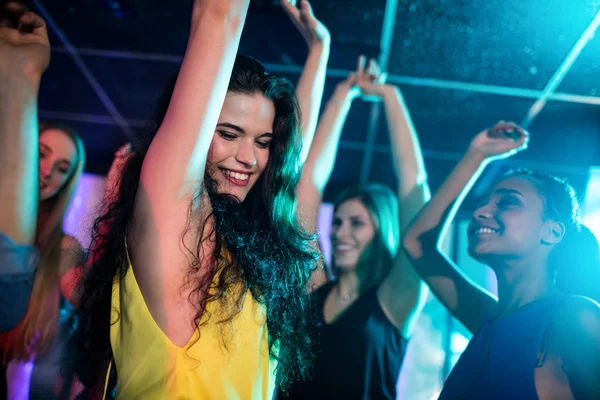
(577, 316)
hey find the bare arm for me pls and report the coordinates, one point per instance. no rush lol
(23, 59)
(469, 303)
(320, 162)
(310, 86)
(173, 168)
(402, 293)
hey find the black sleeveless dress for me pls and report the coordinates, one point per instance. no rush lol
(358, 356)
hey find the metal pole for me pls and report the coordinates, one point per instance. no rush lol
(387, 37)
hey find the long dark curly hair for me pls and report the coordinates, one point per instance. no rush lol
(258, 242)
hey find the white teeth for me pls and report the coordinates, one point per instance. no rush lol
(236, 175)
(343, 247)
(485, 230)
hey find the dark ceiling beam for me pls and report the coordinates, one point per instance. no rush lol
(344, 144)
(81, 65)
(546, 94)
(562, 71)
(343, 73)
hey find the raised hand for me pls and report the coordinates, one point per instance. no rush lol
(502, 141)
(23, 39)
(304, 19)
(370, 80)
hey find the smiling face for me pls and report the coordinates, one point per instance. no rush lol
(239, 151)
(352, 232)
(510, 222)
(58, 157)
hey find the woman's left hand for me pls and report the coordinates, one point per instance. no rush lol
(313, 30)
(370, 80)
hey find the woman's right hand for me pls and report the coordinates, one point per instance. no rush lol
(23, 40)
(502, 141)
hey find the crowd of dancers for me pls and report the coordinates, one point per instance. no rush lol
(204, 278)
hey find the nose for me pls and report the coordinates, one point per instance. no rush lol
(483, 212)
(340, 232)
(45, 169)
(246, 155)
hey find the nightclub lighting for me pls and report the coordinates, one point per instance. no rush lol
(118, 8)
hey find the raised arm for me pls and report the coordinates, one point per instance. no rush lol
(173, 168)
(401, 293)
(310, 86)
(321, 159)
(469, 303)
(24, 56)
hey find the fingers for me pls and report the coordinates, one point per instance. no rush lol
(306, 9)
(10, 14)
(360, 68)
(289, 6)
(15, 15)
(32, 23)
(371, 73)
(510, 130)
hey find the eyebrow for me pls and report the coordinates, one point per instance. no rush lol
(49, 149)
(240, 129)
(352, 217)
(508, 191)
(231, 126)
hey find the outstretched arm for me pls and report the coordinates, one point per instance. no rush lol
(469, 303)
(310, 86)
(320, 162)
(173, 167)
(24, 56)
(401, 293)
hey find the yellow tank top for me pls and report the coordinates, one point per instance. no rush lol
(149, 366)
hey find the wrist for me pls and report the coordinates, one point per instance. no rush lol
(20, 78)
(475, 157)
(319, 43)
(343, 94)
(387, 90)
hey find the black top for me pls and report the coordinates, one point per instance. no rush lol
(499, 362)
(358, 356)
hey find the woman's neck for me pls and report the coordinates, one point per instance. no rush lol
(522, 281)
(349, 284)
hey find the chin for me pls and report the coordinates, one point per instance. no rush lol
(226, 189)
(44, 196)
(481, 254)
(344, 265)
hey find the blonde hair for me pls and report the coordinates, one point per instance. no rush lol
(38, 328)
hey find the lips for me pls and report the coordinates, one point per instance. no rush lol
(482, 230)
(235, 177)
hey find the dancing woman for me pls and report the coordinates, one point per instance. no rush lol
(540, 338)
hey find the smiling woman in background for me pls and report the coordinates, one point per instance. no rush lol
(367, 313)
(34, 203)
(541, 337)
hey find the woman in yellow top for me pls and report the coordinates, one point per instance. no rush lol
(198, 290)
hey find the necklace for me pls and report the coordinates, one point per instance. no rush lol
(345, 298)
